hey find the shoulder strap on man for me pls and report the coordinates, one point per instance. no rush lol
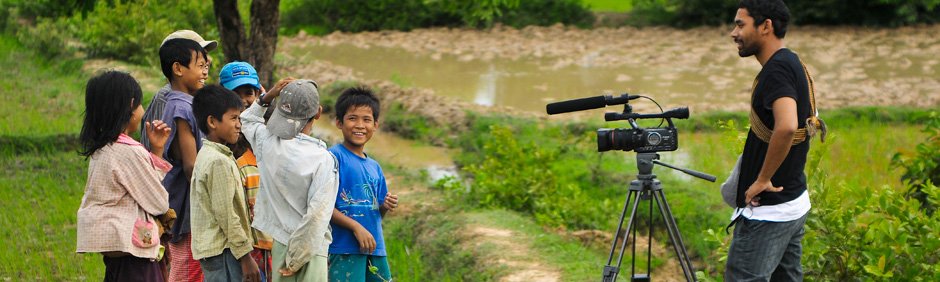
(813, 124)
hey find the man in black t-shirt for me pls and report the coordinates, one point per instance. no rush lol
(772, 199)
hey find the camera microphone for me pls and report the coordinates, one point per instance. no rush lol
(587, 103)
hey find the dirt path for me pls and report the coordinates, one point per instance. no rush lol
(514, 252)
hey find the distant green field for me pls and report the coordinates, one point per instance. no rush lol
(619, 6)
(41, 97)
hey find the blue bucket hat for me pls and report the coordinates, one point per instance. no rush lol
(236, 74)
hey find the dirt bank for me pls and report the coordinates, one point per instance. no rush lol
(851, 66)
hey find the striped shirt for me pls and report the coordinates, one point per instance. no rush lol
(248, 165)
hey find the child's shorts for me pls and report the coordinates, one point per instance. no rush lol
(356, 268)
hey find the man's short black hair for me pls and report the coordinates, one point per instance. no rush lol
(775, 10)
(213, 100)
(178, 50)
(356, 97)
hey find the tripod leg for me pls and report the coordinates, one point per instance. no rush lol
(681, 253)
(610, 272)
(626, 237)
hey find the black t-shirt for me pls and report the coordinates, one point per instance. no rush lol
(782, 76)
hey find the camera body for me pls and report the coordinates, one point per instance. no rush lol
(640, 140)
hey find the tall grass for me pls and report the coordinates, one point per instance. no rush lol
(40, 194)
(41, 97)
(617, 6)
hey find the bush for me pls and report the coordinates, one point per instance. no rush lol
(133, 31)
(856, 232)
(363, 15)
(49, 36)
(538, 169)
(686, 13)
(922, 167)
(549, 12)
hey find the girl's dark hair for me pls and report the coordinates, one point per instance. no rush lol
(213, 100)
(110, 99)
(356, 97)
(775, 10)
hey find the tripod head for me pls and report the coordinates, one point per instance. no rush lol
(645, 161)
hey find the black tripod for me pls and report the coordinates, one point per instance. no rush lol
(646, 186)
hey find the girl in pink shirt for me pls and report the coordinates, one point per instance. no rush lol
(123, 193)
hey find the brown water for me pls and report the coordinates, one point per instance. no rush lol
(699, 68)
(526, 69)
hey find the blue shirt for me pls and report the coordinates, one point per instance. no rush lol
(179, 105)
(361, 192)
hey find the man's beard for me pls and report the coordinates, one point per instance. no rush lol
(748, 50)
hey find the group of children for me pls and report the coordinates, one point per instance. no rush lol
(253, 195)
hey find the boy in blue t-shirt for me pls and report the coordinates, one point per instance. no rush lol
(363, 197)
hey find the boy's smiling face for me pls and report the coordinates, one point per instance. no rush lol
(357, 126)
(193, 77)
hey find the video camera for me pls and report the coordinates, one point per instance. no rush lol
(636, 138)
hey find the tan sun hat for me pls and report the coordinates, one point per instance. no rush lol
(191, 35)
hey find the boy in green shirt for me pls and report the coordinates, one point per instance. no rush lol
(220, 229)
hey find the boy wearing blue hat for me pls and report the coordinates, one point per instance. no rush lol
(242, 78)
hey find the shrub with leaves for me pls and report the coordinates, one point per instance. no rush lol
(922, 166)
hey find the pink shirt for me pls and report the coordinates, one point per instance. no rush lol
(123, 185)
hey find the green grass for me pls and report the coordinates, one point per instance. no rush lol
(40, 195)
(618, 6)
(41, 97)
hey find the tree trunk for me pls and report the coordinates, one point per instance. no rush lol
(231, 30)
(258, 50)
(265, 19)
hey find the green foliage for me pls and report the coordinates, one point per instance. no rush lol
(855, 232)
(474, 13)
(126, 30)
(543, 13)
(868, 12)
(133, 30)
(47, 35)
(399, 120)
(923, 165)
(521, 166)
(363, 15)
(687, 13)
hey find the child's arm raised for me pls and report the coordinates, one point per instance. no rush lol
(157, 133)
(253, 118)
(365, 238)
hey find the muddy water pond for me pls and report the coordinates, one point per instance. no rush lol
(699, 68)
